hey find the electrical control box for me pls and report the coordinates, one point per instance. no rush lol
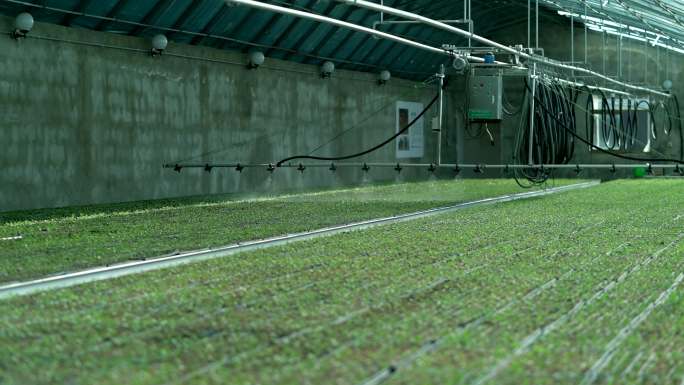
(485, 98)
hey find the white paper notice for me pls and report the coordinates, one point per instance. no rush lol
(411, 143)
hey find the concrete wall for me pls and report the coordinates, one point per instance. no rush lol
(90, 117)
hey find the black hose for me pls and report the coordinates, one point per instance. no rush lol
(679, 124)
(550, 113)
(368, 151)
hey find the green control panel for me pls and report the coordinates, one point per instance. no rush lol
(485, 98)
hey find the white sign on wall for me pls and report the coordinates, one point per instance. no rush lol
(411, 143)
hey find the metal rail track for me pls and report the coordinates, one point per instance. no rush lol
(136, 267)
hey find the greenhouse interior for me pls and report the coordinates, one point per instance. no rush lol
(346, 192)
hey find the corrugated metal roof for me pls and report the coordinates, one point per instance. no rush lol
(213, 23)
(280, 36)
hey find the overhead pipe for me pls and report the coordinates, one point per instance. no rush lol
(542, 60)
(355, 27)
(344, 24)
(425, 47)
(471, 24)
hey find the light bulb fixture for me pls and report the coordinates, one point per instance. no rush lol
(159, 44)
(384, 77)
(667, 85)
(256, 60)
(23, 24)
(327, 69)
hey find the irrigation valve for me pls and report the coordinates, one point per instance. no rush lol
(159, 44)
(239, 168)
(365, 168)
(397, 168)
(301, 168)
(23, 24)
(332, 168)
(432, 168)
(270, 168)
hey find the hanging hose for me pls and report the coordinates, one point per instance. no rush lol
(368, 151)
(551, 113)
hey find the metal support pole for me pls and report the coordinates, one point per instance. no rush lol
(586, 47)
(471, 25)
(530, 159)
(470, 10)
(620, 56)
(536, 23)
(441, 75)
(645, 58)
(658, 66)
(529, 23)
(629, 58)
(603, 53)
(465, 9)
(572, 43)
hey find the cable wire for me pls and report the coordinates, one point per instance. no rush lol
(368, 151)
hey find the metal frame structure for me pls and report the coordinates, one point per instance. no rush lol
(204, 22)
(438, 25)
